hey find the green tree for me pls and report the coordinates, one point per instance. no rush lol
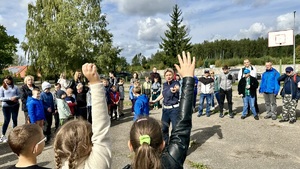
(8, 48)
(61, 35)
(176, 37)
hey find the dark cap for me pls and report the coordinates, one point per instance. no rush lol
(289, 69)
(206, 71)
(60, 93)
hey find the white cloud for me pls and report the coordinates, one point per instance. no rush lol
(151, 29)
(285, 21)
(256, 30)
(144, 7)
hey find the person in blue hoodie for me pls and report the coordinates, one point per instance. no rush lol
(48, 103)
(35, 108)
(141, 106)
(269, 87)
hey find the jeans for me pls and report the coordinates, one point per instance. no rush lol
(10, 112)
(208, 100)
(217, 95)
(248, 100)
(168, 115)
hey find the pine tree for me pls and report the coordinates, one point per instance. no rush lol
(176, 38)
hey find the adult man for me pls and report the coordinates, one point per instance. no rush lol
(270, 87)
(205, 86)
(154, 74)
(247, 65)
(290, 95)
(247, 87)
(226, 80)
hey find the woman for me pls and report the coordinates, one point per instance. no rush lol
(78, 78)
(9, 95)
(25, 91)
(64, 83)
(146, 139)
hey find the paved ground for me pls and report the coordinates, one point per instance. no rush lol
(218, 143)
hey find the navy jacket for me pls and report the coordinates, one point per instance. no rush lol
(293, 85)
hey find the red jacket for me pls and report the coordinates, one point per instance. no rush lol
(114, 97)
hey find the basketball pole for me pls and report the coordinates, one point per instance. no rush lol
(294, 52)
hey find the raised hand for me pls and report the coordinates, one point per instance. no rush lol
(187, 67)
(90, 72)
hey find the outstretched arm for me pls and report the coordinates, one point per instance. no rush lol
(100, 156)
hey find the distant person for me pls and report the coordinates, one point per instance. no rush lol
(113, 81)
(114, 101)
(141, 106)
(27, 142)
(64, 83)
(226, 81)
(154, 74)
(122, 97)
(9, 96)
(78, 78)
(216, 90)
(25, 92)
(146, 141)
(270, 87)
(146, 88)
(62, 107)
(253, 73)
(247, 87)
(290, 95)
(57, 87)
(80, 144)
(206, 89)
(156, 89)
(81, 101)
(36, 109)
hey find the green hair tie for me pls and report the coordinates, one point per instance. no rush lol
(145, 139)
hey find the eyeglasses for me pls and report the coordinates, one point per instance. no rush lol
(44, 139)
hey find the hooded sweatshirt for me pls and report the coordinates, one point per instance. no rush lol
(141, 107)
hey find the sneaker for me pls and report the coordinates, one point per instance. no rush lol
(230, 115)
(199, 115)
(256, 117)
(292, 121)
(267, 117)
(207, 115)
(212, 109)
(274, 117)
(221, 115)
(3, 139)
(243, 117)
(283, 120)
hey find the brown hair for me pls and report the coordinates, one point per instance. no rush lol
(147, 156)
(73, 142)
(22, 138)
(4, 85)
(137, 90)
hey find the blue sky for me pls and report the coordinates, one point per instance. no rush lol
(137, 25)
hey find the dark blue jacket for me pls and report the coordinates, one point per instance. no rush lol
(141, 107)
(48, 101)
(269, 83)
(290, 84)
(35, 109)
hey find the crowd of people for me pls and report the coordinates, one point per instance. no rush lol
(84, 107)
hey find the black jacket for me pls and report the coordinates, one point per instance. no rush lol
(253, 86)
(173, 156)
(24, 93)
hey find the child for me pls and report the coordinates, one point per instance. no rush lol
(141, 105)
(122, 96)
(155, 92)
(114, 101)
(89, 105)
(107, 90)
(70, 99)
(62, 107)
(35, 108)
(48, 104)
(90, 146)
(27, 141)
(146, 88)
(57, 87)
(146, 138)
(81, 101)
(132, 98)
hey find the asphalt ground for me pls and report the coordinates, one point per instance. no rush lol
(217, 143)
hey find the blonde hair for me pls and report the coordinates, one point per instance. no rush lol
(69, 91)
(79, 86)
(28, 77)
(62, 76)
(73, 142)
(169, 70)
(147, 156)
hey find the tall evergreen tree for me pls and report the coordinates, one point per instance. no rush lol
(61, 35)
(176, 37)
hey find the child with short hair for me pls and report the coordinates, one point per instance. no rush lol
(89, 104)
(155, 92)
(27, 141)
(141, 105)
(146, 88)
(122, 96)
(62, 107)
(114, 101)
(90, 146)
(81, 101)
(70, 99)
(35, 108)
(57, 87)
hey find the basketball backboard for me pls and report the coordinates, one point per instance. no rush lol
(281, 38)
